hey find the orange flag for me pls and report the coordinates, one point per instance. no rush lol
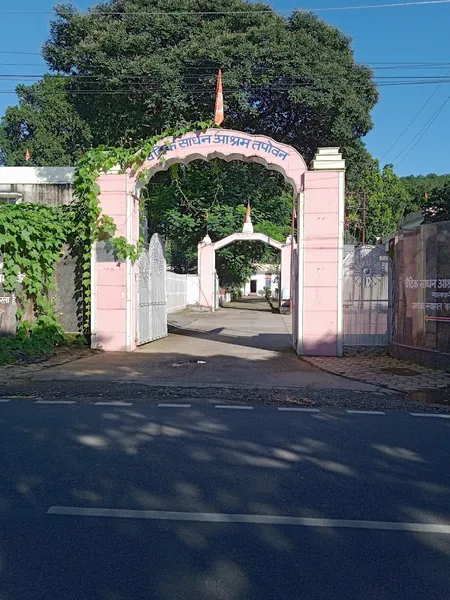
(218, 110)
(27, 155)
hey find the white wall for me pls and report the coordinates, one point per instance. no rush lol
(181, 291)
(176, 292)
(260, 279)
(192, 290)
(37, 175)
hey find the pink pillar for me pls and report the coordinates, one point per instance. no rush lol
(286, 275)
(206, 274)
(321, 257)
(114, 297)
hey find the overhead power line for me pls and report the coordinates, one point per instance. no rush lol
(372, 64)
(225, 13)
(417, 114)
(194, 89)
(388, 78)
(23, 53)
(421, 133)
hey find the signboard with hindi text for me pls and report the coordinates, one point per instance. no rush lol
(422, 287)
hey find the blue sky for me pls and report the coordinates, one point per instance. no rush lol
(384, 35)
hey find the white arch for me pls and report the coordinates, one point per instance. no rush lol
(247, 237)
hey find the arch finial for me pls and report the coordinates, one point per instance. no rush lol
(248, 225)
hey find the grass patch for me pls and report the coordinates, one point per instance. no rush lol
(36, 342)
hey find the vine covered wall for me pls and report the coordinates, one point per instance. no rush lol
(35, 237)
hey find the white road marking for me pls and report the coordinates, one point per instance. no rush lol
(162, 405)
(201, 517)
(4, 400)
(436, 416)
(365, 412)
(113, 403)
(55, 402)
(234, 406)
(298, 409)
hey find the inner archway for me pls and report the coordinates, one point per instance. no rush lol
(207, 264)
(317, 269)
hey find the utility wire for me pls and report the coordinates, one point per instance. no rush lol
(421, 133)
(225, 13)
(292, 80)
(417, 114)
(193, 90)
(371, 64)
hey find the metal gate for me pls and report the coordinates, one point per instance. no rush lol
(367, 300)
(152, 311)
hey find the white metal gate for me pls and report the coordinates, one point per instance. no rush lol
(152, 311)
(367, 304)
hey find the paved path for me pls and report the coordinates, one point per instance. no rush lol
(387, 371)
(244, 345)
(203, 503)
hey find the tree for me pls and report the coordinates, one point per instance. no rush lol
(421, 187)
(134, 67)
(190, 201)
(45, 123)
(137, 66)
(382, 194)
(438, 205)
(397, 196)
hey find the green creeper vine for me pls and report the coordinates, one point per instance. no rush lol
(31, 239)
(90, 223)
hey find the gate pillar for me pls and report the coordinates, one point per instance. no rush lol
(206, 273)
(113, 282)
(320, 228)
(286, 276)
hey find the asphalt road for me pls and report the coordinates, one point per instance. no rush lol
(203, 503)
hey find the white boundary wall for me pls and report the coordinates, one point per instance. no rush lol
(37, 175)
(181, 291)
(176, 292)
(192, 290)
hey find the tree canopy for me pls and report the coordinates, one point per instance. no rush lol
(136, 65)
(128, 68)
(380, 193)
(46, 123)
(437, 207)
(420, 187)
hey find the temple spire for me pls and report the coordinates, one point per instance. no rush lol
(248, 226)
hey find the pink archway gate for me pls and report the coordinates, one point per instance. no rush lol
(317, 270)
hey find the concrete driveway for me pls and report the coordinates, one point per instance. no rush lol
(245, 344)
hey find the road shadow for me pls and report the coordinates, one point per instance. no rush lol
(207, 461)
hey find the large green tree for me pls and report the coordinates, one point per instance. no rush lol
(137, 66)
(133, 67)
(46, 123)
